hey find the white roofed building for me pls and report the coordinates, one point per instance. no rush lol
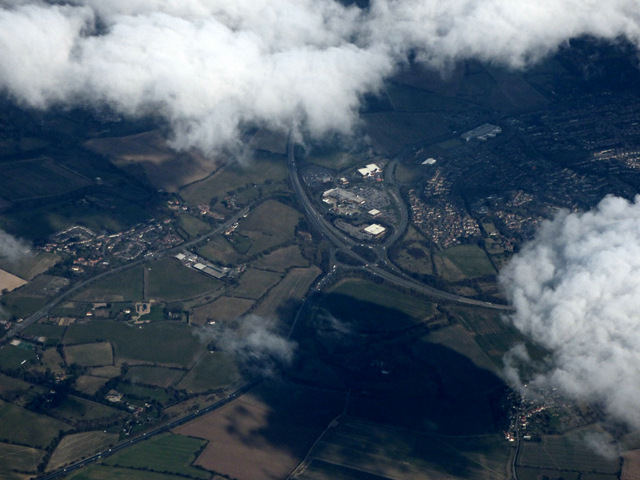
(369, 170)
(483, 132)
(375, 230)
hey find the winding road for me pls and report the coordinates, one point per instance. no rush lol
(340, 241)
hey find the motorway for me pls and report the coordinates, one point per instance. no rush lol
(145, 436)
(390, 273)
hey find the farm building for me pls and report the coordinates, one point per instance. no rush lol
(212, 270)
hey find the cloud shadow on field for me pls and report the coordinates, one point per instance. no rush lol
(394, 373)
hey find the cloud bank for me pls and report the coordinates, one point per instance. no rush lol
(211, 67)
(576, 291)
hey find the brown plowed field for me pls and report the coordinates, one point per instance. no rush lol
(249, 441)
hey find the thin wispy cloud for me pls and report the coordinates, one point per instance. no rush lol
(12, 248)
(256, 347)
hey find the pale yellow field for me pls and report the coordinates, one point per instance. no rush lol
(73, 447)
(9, 281)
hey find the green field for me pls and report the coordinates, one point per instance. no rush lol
(112, 214)
(79, 412)
(458, 339)
(108, 371)
(415, 258)
(161, 342)
(51, 358)
(409, 99)
(490, 332)
(101, 472)
(17, 457)
(155, 314)
(193, 226)
(282, 259)
(170, 280)
(31, 296)
(89, 354)
(214, 370)
(76, 446)
(240, 243)
(274, 141)
(567, 452)
(526, 473)
(220, 250)
(390, 131)
(51, 332)
(89, 385)
(11, 387)
(46, 179)
(410, 173)
(254, 283)
(333, 160)
(72, 309)
(20, 304)
(282, 300)
(447, 270)
(234, 175)
(29, 266)
(366, 291)
(19, 425)
(121, 287)
(12, 357)
(154, 376)
(223, 309)
(471, 260)
(168, 453)
(270, 224)
(143, 393)
(41, 286)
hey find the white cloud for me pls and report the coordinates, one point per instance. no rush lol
(212, 66)
(513, 32)
(576, 291)
(11, 247)
(256, 347)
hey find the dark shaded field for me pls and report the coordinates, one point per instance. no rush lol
(395, 374)
(355, 450)
(37, 178)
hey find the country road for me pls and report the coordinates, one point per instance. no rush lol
(46, 309)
